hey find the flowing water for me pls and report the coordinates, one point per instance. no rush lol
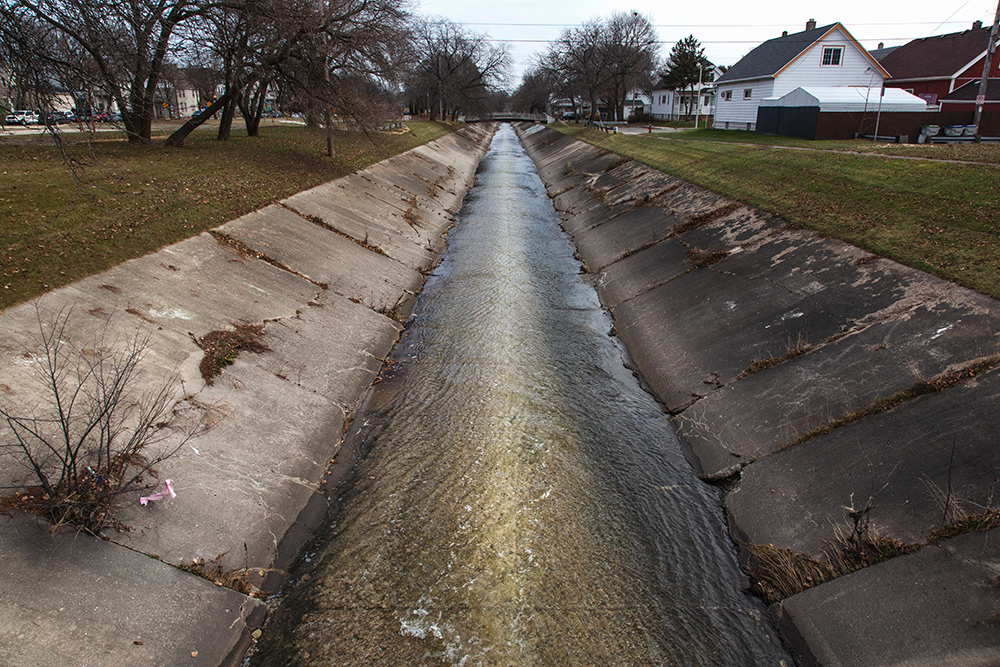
(520, 500)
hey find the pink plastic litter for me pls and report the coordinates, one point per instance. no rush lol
(167, 492)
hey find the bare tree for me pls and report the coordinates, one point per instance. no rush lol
(456, 69)
(603, 60)
(125, 45)
(631, 44)
(533, 95)
(578, 63)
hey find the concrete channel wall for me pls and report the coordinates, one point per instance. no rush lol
(755, 334)
(330, 273)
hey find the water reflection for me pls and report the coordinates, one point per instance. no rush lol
(522, 500)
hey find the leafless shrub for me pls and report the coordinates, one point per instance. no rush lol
(86, 446)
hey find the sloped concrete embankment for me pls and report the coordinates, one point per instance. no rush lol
(330, 273)
(759, 337)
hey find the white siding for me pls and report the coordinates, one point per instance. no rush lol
(808, 70)
(187, 101)
(669, 104)
(739, 112)
(663, 103)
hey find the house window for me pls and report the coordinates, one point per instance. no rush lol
(832, 55)
(727, 95)
(747, 93)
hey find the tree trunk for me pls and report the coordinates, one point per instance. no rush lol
(252, 106)
(177, 138)
(331, 149)
(253, 123)
(226, 122)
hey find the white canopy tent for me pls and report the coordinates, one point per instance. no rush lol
(848, 99)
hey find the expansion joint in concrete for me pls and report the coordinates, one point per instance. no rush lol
(330, 228)
(247, 251)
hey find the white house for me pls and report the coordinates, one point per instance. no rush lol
(669, 104)
(821, 57)
(636, 102)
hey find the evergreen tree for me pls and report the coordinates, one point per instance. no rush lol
(682, 67)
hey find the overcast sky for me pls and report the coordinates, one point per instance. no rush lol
(727, 29)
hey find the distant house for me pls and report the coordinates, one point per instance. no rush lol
(636, 103)
(935, 67)
(824, 57)
(670, 104)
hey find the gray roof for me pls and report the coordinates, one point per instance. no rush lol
(879, 54)
(765, 60)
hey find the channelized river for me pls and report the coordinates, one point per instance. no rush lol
(520, 499)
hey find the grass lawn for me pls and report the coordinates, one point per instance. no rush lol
(117, 202)
(937, 216)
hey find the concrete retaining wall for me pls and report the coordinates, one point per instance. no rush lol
(755, 334)
(331, 273)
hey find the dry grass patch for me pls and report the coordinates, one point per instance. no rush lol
(107, 202)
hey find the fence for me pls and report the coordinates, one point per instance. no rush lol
(811, 123)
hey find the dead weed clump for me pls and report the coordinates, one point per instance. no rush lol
(776, 574)
(222, 347)
(240, 579)
(800, 347)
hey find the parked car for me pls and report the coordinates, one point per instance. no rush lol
(22, 117)
(56, 118)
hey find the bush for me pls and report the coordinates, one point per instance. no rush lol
(87, 449)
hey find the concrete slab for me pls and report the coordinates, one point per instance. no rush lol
(633, 182)
(903, 458)
(696, 333)
(563, 162)
(323, 256)
(935, 607)
(577, 197)
(767, 411)
(172, 297)
(332, 347)
(642, 271)
(200, 281)
(624, 235)
(70, 599)
(691, 203)
(331, 204)
(663, 261)
(265, 452)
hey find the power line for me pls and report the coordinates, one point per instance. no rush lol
(709, 41)
(713, 25)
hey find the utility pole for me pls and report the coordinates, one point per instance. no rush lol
(697, 100)
(981, 98)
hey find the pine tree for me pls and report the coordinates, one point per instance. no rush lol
(682, 67)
